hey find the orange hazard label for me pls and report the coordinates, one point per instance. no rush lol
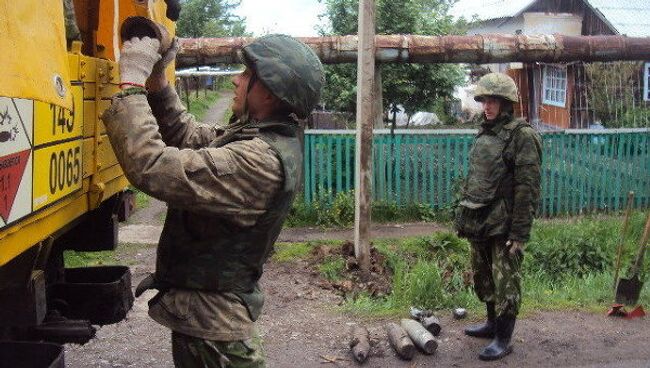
(12, 168)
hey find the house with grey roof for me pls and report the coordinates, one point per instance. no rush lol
(570, 95)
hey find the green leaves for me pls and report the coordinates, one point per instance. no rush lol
(210, 18)
(414, 86)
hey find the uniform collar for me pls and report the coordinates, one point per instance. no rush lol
(495, 126)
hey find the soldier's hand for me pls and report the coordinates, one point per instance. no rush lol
(137, 59)
(516, 247)
(158, 79)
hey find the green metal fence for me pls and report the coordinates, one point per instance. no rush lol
(582, 171)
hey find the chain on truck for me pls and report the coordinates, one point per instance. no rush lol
(61, 187)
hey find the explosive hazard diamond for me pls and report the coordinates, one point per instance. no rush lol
(16, 135)
(12, 168)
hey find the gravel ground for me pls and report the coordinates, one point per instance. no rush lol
(302, 326)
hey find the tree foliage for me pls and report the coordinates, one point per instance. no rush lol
(210, 18)
(414, 86)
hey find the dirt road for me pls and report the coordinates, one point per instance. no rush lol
(302, 325)
(216, 113)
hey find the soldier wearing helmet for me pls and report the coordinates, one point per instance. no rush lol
(228, 190)
(499, 199)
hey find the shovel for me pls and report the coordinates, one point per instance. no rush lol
(626, 221)
(628, 290)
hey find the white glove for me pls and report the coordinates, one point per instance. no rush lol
(166, 59)
(137, 60)
(158, 80)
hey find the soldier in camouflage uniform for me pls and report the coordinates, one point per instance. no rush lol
(228, 190)
(499, 199)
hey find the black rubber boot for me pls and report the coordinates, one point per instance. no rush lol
(485, 330)
(500, 346)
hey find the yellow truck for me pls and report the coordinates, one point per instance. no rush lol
(60, 184)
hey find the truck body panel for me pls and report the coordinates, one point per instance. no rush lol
(61, 186)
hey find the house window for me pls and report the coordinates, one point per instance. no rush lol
(646, 82)
(554, 87)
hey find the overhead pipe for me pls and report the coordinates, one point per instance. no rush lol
(480, 49)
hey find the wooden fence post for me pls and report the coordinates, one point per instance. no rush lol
(187, 93)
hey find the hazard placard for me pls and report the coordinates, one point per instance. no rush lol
(54, 123)
(16, 136)
(12, 169)
(40, 154)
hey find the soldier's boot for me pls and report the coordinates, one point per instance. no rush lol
(485, 330)
(500, 346)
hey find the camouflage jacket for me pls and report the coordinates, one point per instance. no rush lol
(502, 200)
(164, 152)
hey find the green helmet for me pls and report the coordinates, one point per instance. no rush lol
(496, 84)
(289, 69)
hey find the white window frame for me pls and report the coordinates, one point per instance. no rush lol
(646, 81)
(554, 87)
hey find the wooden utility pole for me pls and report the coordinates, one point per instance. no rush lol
(366, 117)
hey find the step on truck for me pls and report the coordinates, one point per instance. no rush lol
(61, 187)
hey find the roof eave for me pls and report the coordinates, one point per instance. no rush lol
(601, 16)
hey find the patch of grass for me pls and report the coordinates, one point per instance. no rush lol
(141, 199)
(201, 104)
(87, 259)
(285, 252)
(577, 247)
(568, 266)
(123, 255)
(589, 292)
(338, 211)
(332, 268)
(428, 272)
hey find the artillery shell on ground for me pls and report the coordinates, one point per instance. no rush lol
(422, 338)
(360, 344)
(460, 313)
(432, 324)
(400, 341)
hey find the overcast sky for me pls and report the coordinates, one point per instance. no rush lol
(300, 17)
(293, 17)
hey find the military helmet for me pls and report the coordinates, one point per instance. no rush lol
(287, 68)
(496, 84)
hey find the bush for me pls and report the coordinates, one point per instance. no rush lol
(419, 285)
(302, 213)
(329, 210)
(638, 117)
(383, 211)
(568, 265)
(569, 249)
(428, 272)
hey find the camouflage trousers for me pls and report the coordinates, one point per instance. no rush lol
(194, 352)
(497, 274)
